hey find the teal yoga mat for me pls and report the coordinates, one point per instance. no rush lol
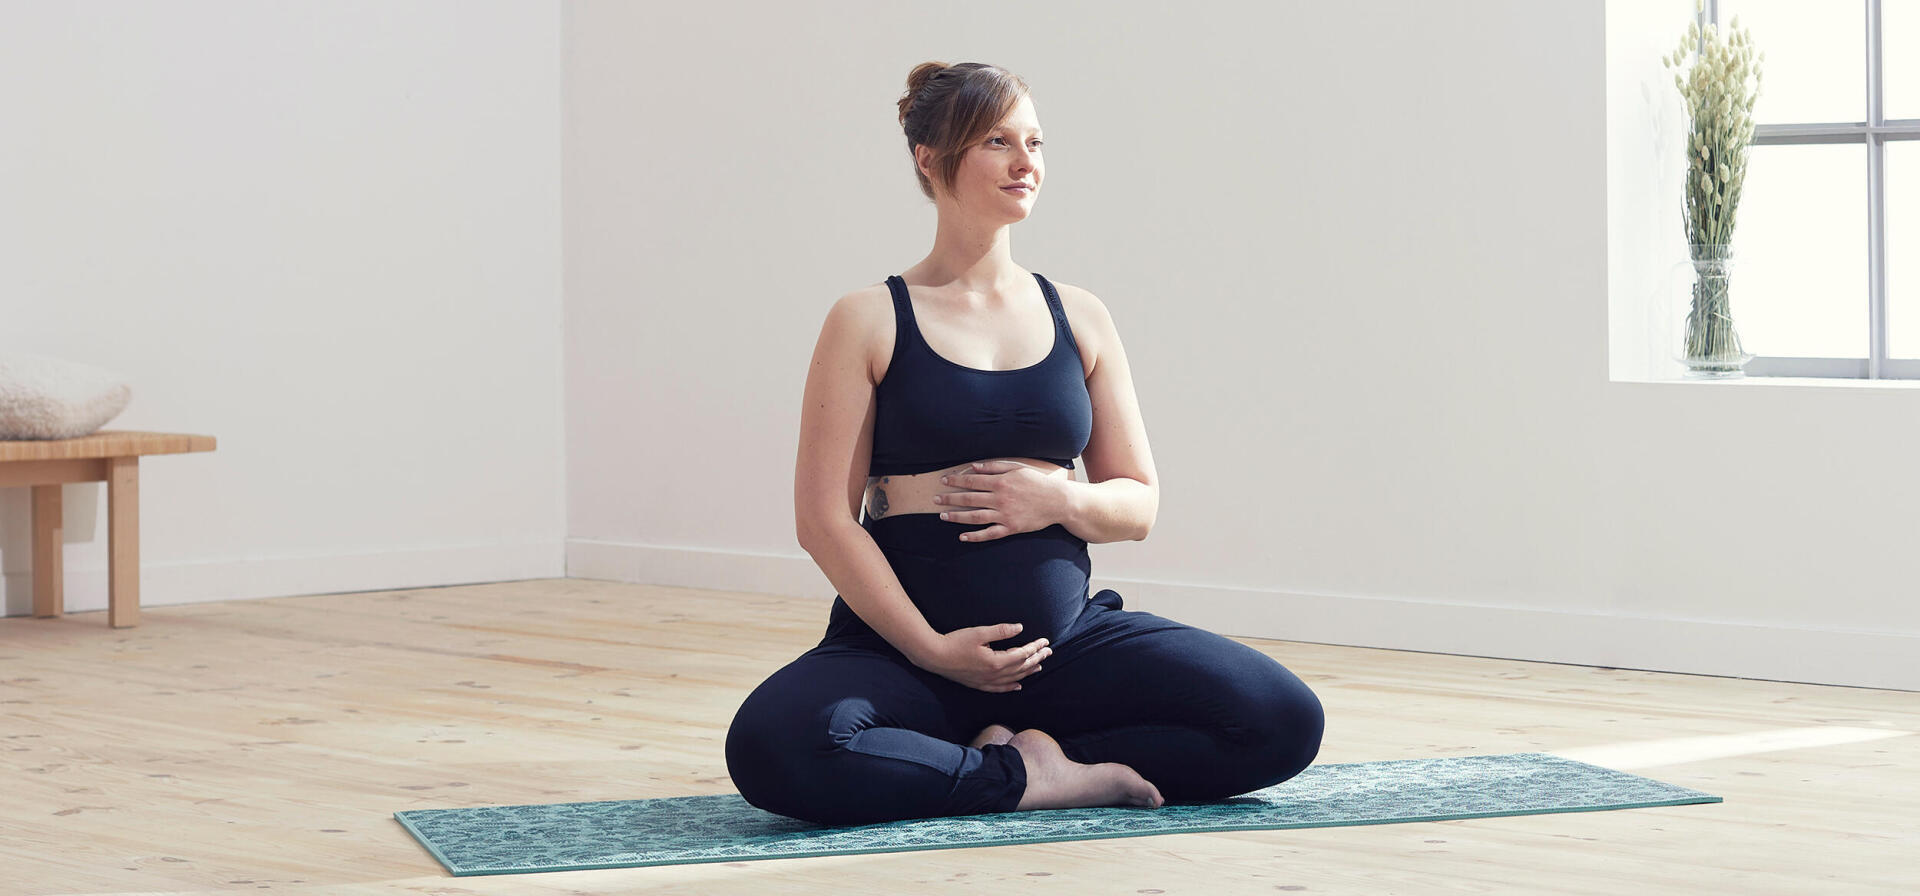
(724, 827)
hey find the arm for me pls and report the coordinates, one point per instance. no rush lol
(1117, 509)
(1122, 495)
(864, 579)
(830, 476)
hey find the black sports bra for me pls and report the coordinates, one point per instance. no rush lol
(932, 413)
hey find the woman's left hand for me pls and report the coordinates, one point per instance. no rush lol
(1010, 495)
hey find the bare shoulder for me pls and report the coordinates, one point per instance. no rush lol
(868, 301)
(1088, 318)
(867, 315)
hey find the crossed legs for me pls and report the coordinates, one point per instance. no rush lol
(852, 733)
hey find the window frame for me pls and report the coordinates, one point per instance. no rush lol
(1873, 134)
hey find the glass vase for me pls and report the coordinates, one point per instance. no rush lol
(1700, 314)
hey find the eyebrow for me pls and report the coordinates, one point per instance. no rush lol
(1005, 128)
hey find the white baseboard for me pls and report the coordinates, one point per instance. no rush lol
(1865, 659)
(239, 578)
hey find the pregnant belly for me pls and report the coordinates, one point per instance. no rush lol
(1038, 579)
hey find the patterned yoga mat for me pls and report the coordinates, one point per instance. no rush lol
(724, 827)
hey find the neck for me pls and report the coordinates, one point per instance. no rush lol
(970, 255)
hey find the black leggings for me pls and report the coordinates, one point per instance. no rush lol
(852, 732)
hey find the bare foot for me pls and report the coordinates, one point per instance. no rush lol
(1056, 782)
(992, 734)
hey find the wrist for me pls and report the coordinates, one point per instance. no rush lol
(922, 648)
(1072, 503)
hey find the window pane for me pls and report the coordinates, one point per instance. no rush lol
(1903, 247)
(1816, 64)
(1899, 33)
(1799, 285)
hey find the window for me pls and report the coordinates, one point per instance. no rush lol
(1827, 239)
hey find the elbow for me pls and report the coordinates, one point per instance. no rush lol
(806, 532)
(1140, 531)
(1153, 513)
(811, 532)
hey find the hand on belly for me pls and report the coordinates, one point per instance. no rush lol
(1039, 579)
(889, 496)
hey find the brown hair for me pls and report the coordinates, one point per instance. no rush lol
(949, 107)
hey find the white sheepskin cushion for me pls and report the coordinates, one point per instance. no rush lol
(47, 398)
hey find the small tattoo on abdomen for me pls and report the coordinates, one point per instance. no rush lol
(879, 502)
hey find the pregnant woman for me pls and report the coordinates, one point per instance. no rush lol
(964, 668)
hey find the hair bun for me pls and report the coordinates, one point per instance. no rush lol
(916, 80)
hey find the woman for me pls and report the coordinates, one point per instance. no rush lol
(963, 614)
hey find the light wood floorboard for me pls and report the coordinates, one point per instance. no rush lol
(265, 744)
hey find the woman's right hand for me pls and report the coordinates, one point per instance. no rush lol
(962, 655)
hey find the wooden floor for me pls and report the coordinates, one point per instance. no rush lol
(265, 744)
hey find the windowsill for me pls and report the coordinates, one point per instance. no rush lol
(1801, 381)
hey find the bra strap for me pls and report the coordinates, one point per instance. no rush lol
(902, 309)
(1059, 310)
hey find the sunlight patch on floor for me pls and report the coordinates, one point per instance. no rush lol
(1648, 753)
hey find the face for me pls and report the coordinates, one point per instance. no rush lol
(1009, 154)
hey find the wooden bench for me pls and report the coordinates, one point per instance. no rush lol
(110, 456)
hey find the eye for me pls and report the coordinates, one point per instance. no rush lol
(1036, 142)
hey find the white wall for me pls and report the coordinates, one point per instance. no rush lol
(327, 234)
(1359, 254)
(1360, 257)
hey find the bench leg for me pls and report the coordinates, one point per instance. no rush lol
(123, 541)
(49, 534)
